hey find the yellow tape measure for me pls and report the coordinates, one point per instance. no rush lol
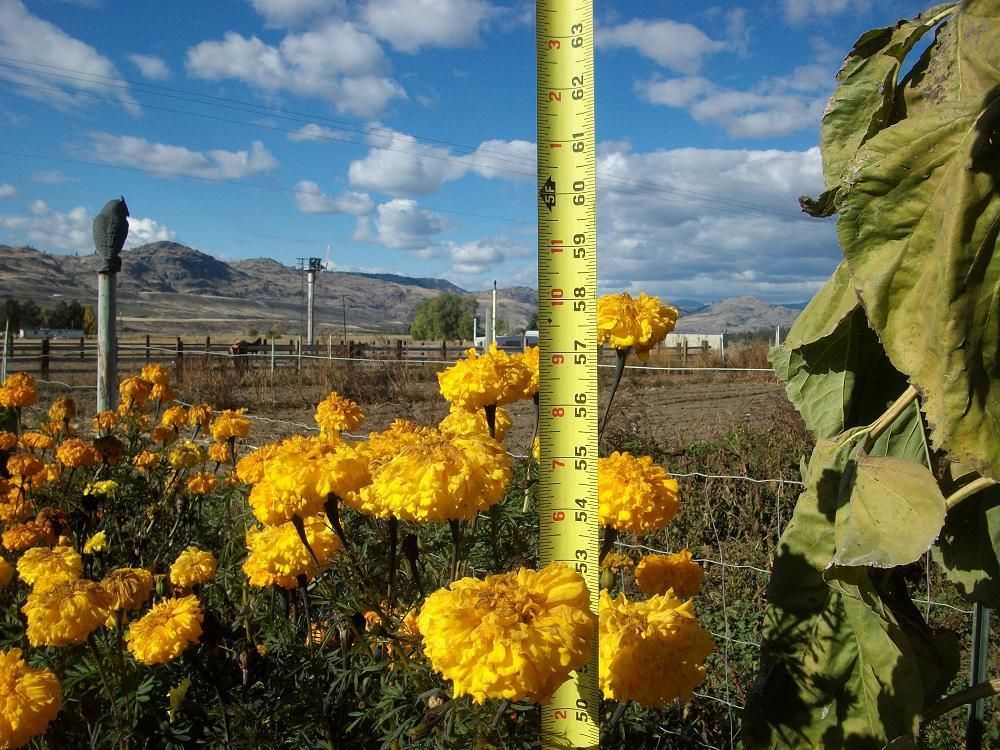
(567, 316)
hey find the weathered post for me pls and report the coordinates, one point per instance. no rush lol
(6, 346)
(179, 361)
(399, 348)
(110, 231)
(147, 349)
(44, 368)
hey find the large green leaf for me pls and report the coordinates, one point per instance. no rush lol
(969, 548)
(862, 103)
(895, 513)
(835, 300)
(920, 214)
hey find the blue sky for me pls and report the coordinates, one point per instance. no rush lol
(400, 133)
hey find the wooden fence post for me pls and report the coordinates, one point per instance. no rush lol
(45, 359)
(399, 348)
(444, 350)
(82, 341)
(147, 348)
(179, 360)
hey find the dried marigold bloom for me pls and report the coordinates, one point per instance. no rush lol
(192, 567)
(110, 449)
(634, 494)
(658, 574)
(336, 414)
(200, 415)
(638, 324)
(156, 374)
(617, 562)
(130, 587)
(45, 567)
(18, 390)
(439, 479)
(54, 521)
(66, 613)
(515, 636)
(162, 393)
(75, 452)
(63, 409)
(7, 440)
(462, 422)
(230, 424)
(163, 633)
(163, 435)
(652, 652)
(30, 698)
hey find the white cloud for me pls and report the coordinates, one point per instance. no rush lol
(709, 223)
(40, 46)
(680, 47)
(309, 199)
(409, 25)
(293, 12)
(398, 164)
(7, 190)
(775, 107)
(151, 67)
(479, 256)
(171, 160)
(334, 61)
(49, 177)
(142, 231)
(401, 224)
(797, 11)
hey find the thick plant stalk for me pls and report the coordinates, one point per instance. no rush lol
(393, 544)
(968, 695)
(968, 491)
(621, 357)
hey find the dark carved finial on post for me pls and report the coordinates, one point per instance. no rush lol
(110, 231)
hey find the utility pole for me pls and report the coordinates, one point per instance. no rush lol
(310, 266)
(493, 329)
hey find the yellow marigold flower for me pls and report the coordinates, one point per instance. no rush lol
(130, 587)
(220, 453)
(336, 414)
(174, 416)
(23, 536)
(343, 471)
(617, 562)
(163, 435)
(106, 421)
(66, 613)
(250, 468)
(652, 652)
(75, 452)
(277, 554)
(162, 393)
(514, 636)
(30, 698)
(63, 409)
(192, 567)
(7, 440)
(145, 460)
(102, 487)
(230, 424)
(529, 360)
(110, 449)
(439, 479)
(155, 374)
(202, 483)
(200, 415)
(658, 574)
(96, 543)
(186, 455)
(134, 392)
(462, 422)
(381, 446)
(484, 380)
(45, 567)
(638, 324)
(6, 572)
(36, 441)
(51, 472)
(164, 632)
(18, 390)
(635, 494)
(23, 466)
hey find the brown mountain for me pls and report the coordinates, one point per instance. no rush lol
(737, 314)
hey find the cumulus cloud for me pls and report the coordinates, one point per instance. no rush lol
(479, 256)
(712, 223)
(169, 160)
(398, 164)
(797, 11)
(141, 231)
(409, 25)
(401, 224)
(39, 46)
(151, 67)
(680, 47)
(293, 12)
(309, 199)
(775, 107)
(335, 61)
(7, 190)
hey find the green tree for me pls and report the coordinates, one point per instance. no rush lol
(11, 313)
(447, 316)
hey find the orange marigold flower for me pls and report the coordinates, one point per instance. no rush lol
(336, 414)
(23, 466)
(202, 483)
(484, 380)
(200, 415)
(163, 435)
(45, 567)
(66, 613)
(6, 572)
(174, 416)
(230, 424)
(145, 460)
(62, 409)
(106, 421)
(18, 390)
(7, 440)
(36, 441)
(250, 468)
(220, 453)
(134, 392)
(75, 452)
(381, 446)
(278, 556)
(192, 567)
(30, 698)
(155, 374)
(658, 574)
(638, 324)
(164, 632)
(162, 393)
(23, 536)
(462, 422)
(634, 494)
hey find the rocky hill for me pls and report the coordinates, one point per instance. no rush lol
(737, 314)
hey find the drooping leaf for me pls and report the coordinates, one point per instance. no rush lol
(825, 311)
(968, 550)
(895, 513)
(862, 103)
(920, 214)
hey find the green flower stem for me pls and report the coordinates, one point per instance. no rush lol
(107, 689)
(393, 562)
(456, 544)
(883, 423)
(616, 717)
(610, 537)
(621, 358)
(968, 491)
(962, 697)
